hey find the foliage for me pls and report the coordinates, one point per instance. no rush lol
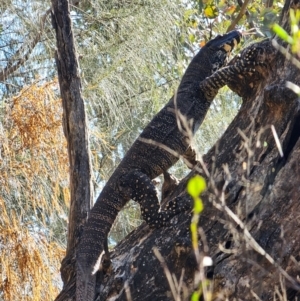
(293, 42)
(292, 39)
(33, 194)
(28, 262)
(25, 51)
(34, 155)
(128, 65)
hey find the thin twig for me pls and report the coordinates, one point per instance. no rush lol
(167, 273)
(127, 291)
(286, 53)
(255, 245)
(277, 140)
(239, 16)
(19, 56)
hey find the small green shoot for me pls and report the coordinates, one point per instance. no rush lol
(204, 286)
(292, 39)
(282, 34)
(195, 187)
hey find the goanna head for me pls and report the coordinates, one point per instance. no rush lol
(220, 48)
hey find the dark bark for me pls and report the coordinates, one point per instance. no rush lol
(75, 129)
(261, 193)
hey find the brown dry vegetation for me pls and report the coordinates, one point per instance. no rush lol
(29, 263)
(34, 148)
(34, 190)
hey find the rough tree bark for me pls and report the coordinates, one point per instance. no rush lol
(75, 129)
(251, 188)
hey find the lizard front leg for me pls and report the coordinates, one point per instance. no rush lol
(190, 156)
(140, 188)
(244, 66)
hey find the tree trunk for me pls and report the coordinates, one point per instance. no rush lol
(75, 129)
(250, 225)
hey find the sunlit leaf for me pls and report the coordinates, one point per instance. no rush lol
(192, 38)
(230, 10)
(195, 296)
(282, 33)
(198, 205)
(202, 43)
(188, 13)
(196, 186)
(211, 11)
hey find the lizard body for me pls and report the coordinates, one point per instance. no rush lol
(145, 161)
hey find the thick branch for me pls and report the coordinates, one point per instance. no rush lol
(75, 129)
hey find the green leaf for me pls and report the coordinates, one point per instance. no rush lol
(192, 38)
(189, 13)
(211, 11)
(282, 33)
(195, 296)
(196, 186)
(198, 206)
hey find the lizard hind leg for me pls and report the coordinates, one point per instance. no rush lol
(169, 185)
(140, 188)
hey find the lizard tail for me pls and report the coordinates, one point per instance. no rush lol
(93, 245)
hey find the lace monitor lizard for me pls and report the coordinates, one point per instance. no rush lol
(145, 161)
